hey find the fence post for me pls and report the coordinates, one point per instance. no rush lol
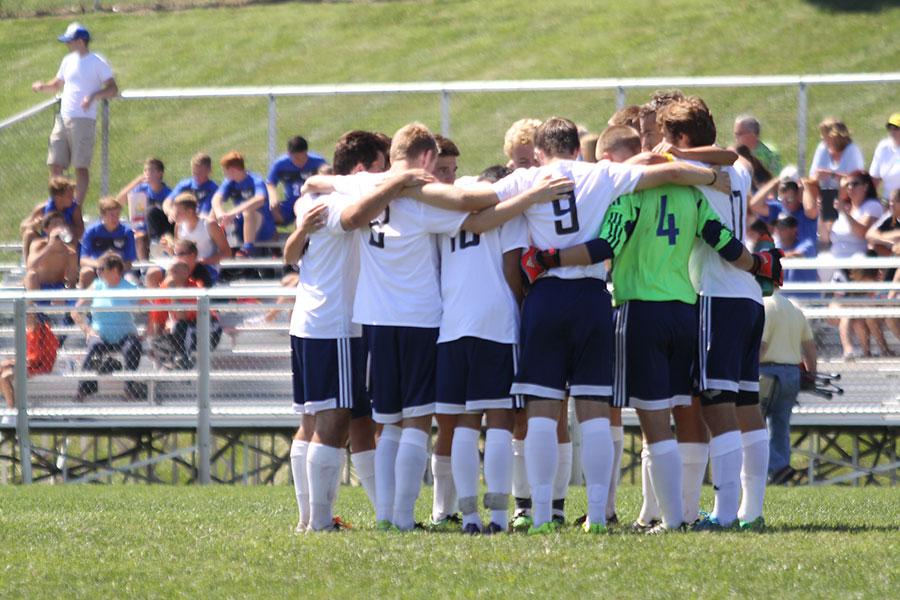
(620, 98)
(273, 129)
(802, 106)
(21, 379)
(445, 113)
(104, 149)
(203, 426)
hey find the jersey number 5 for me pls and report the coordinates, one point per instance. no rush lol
(566, 210)
(376, 235)
(666, 226)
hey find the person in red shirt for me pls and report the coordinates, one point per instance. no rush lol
(41, 347)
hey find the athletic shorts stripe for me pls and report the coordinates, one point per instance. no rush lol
(518, 399)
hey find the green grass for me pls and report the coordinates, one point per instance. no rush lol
(296, 43)
(158, 541)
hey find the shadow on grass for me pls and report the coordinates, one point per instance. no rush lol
(853, 6)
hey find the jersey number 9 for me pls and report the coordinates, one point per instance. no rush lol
(567, 211)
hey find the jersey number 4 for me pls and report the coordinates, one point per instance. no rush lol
(666, 226)
(376, 235)
(567, 211)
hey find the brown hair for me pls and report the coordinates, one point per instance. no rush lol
(51, 216)
(111, 260)
(628, 116)
(659, 100)
(558, 137)
(690, 117)
(446, 147)
(108, 203)
(836, 131)
(354, 148)
(201, 159)
(412, 141)
(185, 244)
(232, 160)
(58, 186)
(618, 137)
(156, 164)
(186, 200)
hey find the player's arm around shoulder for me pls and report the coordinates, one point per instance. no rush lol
(547, 189)
(452, 197)
(682, 173)
(360, 213)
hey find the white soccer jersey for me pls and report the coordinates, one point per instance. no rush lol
(711, 274)
(328, 276)
(577, 218)
(399, 282)
(477, 301)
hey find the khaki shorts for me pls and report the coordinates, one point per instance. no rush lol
(71, 143)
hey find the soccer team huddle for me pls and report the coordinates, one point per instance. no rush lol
(484, 302)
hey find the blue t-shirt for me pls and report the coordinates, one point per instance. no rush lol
(112, 326)
(153, 197)
(244, 190)
(807, 229)
(808, 248)
(68, 214)
(204, 193)
(97, 240)
(284, 171)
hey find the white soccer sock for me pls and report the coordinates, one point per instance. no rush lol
(665, 472)
(498, 470)
(693, 464)
(725, 462)
(753, 473)
(617, 432)
(323, 468)
(596, 462)
(444, 492)
(364, 463)
(520, 487)
(563, 472)
(299, 450)
(385, 459)
(412, 458)
(465, 462)
(650, 507)
(540, 462)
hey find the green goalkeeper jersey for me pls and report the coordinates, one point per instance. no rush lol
(651, 234)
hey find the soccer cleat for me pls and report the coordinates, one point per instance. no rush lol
(580, 520)
(448, 523)
(493, 529)
(638, 527)
(612, 521)
(758, 524)
(661, 529)
(472, 529)
(521, 522)
(707, 522)
(593, 527)
(560, 520)
(385, 525)
(545, 529)
(300, 528)
(338, 524)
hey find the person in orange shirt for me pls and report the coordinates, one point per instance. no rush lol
(41, 347)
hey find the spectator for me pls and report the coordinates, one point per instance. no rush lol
(518, 144)
(885, 167)
(291, 170)
(53, 262)
(758, 171)
(794, 198)
(251, 215)
(153, 223)
(867, 328)
(84, 77)
(199, 184)
(884, 235)
(787, 230)
(835, 157)
(858, 209)
(186, 252)
(61, 200)
(41, 347)
(786, 342)
(210, 245)
(110, 331)
(746, 133)
(106, 235)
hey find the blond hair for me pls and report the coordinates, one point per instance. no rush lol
(411, 141)
(618, 137)
(519, 133)
(836, 131)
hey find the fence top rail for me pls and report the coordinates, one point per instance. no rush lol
(28, 113)
(329, 89)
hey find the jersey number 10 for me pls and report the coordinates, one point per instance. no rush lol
(376, 236)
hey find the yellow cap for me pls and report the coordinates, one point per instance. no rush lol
(894, 120)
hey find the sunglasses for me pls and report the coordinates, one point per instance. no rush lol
(853, 184)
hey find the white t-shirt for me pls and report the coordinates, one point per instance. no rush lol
(477, 301)
(711, 274)
(82, 75)
(844, 243)
(206, 247)
(886, 166)
(576, 219)
(851, 160)
(399, 281)
(328, 274)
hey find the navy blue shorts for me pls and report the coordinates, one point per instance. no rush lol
(473, 375)
(264, 233)
(566, 340)
(730, 333)
(402, 371)
(655, 349)
(329, 374)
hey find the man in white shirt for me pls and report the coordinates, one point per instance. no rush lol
(885, 167)
(84, 77)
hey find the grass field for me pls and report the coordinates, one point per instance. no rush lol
(137, 541)
(295, 43)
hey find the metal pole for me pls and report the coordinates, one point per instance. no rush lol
(620, 98)
(21, 378)
(445, 113)
(203, 427)
(104, 150)
(802, 106)
(273, 129)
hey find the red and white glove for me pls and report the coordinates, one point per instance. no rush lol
(767, 265)
(536, 262)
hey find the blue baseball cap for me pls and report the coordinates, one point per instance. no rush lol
(75, 31)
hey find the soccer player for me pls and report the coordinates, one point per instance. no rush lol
(518, 144)
(291, 170)
(198, 184)
(566, 332)
(251, 216)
